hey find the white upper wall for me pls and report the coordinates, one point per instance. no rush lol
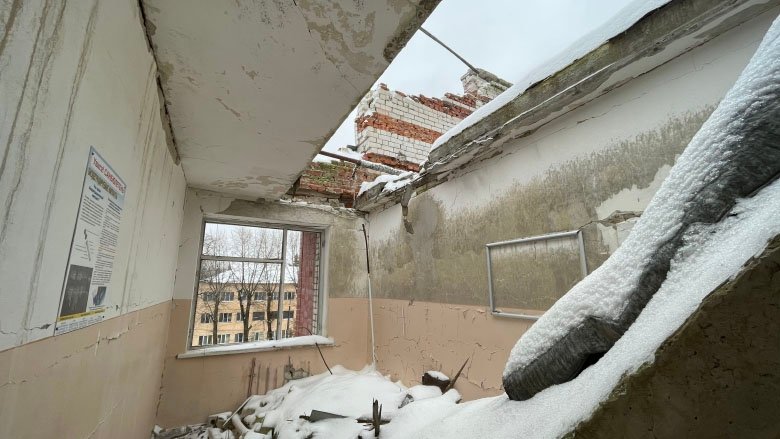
(73, 75)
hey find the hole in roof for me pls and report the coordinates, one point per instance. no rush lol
(516, 41)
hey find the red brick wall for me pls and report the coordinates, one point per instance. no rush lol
(339, 180)
(402, 128)
(445, 107)
(306, 293)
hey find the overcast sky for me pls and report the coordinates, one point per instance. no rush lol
(505, 37)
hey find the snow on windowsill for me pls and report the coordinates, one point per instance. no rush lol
(258, 346)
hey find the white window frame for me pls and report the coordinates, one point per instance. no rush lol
(321, 301)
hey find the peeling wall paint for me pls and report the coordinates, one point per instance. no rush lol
(75, 74)
(99, 382)
(445, 257)
(610, 154)
(61, 92)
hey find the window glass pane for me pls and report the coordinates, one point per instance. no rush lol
(242, 241)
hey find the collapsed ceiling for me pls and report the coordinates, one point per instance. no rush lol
(255, 88)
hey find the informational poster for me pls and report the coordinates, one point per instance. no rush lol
(93, 247)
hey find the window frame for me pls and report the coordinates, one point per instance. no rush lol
(576, 234)
(321, 277)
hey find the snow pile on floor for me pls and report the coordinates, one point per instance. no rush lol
(346, 393)
(391, 182)
(623, 20)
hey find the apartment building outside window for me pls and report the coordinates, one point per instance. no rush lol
(248, 273)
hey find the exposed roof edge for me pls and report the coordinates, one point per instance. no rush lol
(660, 36)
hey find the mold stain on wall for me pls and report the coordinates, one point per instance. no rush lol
(444, 260)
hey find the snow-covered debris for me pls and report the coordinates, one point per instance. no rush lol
(390, 182)
(734, 153)
(346, 395)
(624, 19)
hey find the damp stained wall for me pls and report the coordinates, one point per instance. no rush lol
(610, 154)
(193, 388)
(75, 74)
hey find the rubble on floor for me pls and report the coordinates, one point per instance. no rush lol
(333, 406)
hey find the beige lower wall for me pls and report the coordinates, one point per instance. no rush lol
(414, 336)
(102, 381)
(194, 388)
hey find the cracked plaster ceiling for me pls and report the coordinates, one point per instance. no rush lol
(255, 88)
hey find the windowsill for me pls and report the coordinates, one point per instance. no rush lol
(258, 346)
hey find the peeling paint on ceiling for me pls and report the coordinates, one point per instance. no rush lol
(249, 84)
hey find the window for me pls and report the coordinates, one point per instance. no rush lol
(204, 340)
(225, 317)
(268, 269)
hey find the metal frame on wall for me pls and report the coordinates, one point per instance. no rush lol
(549, 236)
